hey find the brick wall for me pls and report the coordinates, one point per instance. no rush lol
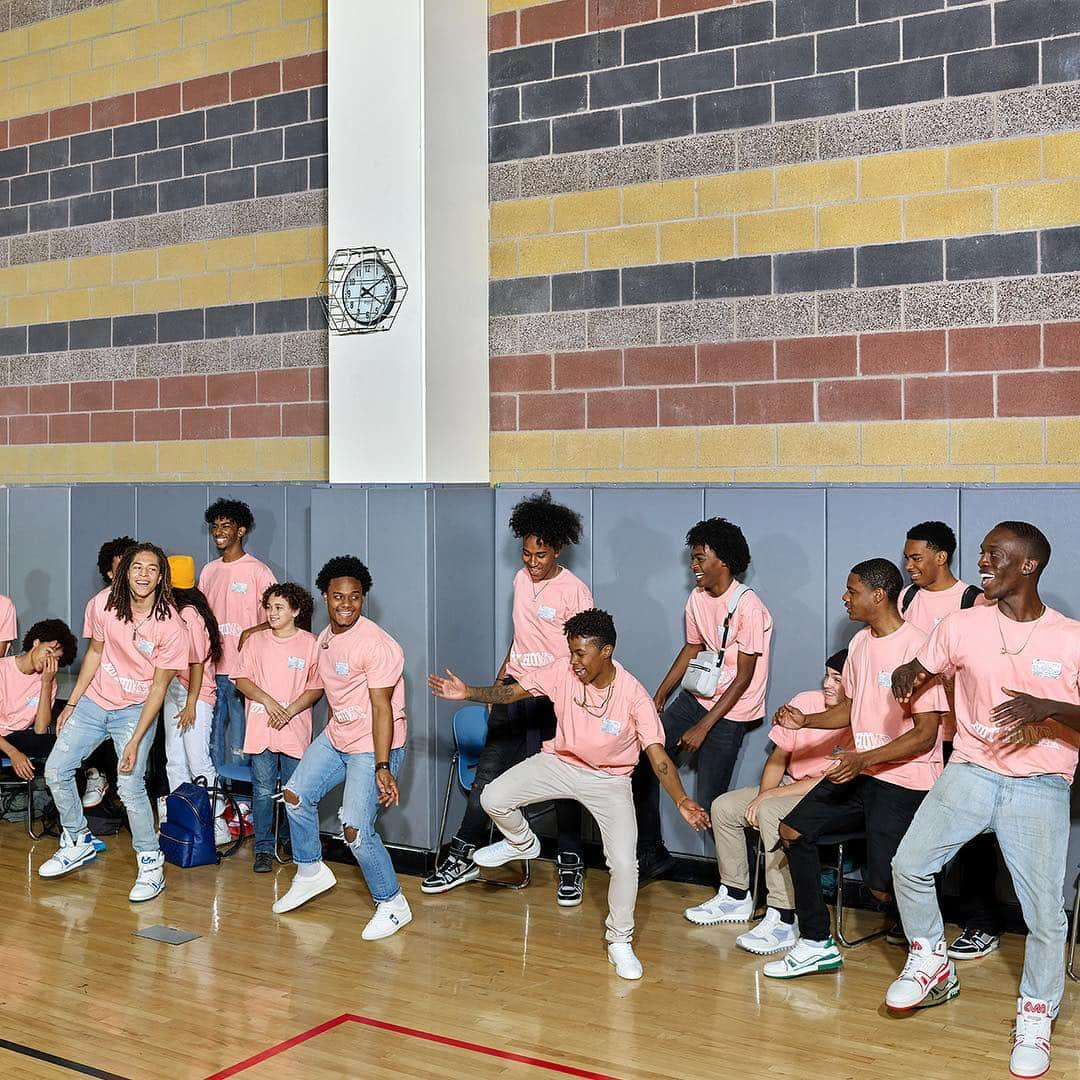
(785, 240)
(162, 230)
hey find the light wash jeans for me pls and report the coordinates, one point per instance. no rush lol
(265, 769)
(88, 727)
(1030, 817)
(321, 768)
(227, 739)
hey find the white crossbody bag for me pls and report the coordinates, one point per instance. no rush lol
(703, 672)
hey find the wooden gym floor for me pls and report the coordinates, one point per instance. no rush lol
(484, 983)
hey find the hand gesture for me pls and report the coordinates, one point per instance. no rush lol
(906, 680)
(127, 758)
(845, 766)
(692, 738)
(388, 789)
(697, 817)
(787, 716)
(752, 810)
(49, 669)
(23, 766)
(451, 688)
(1019, 711)
(277, 715)
(185, 718)
(64, 717)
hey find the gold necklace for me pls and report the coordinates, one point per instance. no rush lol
(596, 710)
(1001, 634)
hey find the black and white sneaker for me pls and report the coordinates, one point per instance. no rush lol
(456, 869)
(973, 945)
(895, 935)
(571, 872)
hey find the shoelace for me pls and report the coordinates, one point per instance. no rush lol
(1031, 1030)
(569, 876)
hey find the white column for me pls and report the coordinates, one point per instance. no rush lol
(408, 172)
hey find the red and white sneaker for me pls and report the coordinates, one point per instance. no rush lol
(927, 966)
(1031, 1039)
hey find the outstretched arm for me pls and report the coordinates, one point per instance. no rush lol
(668, 775)
(454, 689)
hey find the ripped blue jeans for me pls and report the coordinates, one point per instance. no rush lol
(322, 768)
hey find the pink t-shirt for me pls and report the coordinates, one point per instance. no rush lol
(19, 697)
(283, 668)
(877, 717)
(968, 644)
(363, 656)
(610, 742)
(540, 612)
(926, 610)
(810, 750)
(95, 603)
(199, 644)
(9, 631)
(235, 591)
(750, 632)
(131, 653)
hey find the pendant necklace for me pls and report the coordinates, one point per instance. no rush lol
(138, 626)
(596, 710)
(1001, 633)
(547, 582)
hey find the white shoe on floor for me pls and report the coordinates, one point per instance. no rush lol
(927, 965)
(1031, 1050)
(304, 889)
(499, 854)
(222, 835)
(627, 965)
(390, 916)
(151, 879)
(96, 786)
(721, 908)
(770, 935)
(75, 851)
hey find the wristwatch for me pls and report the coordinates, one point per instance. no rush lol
(382, 765)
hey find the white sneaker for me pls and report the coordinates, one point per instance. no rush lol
(627, 965)
(499, 854)
(151, 879)
(927, 966)
(769, 936)
(96, 786)
(161, 805)
(75, 851)
(721, 909)
(1031, 1051)
(221, 832)
(304, 889)
(806, 958)
(390, 916)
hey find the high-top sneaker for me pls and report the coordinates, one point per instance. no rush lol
(571, 871)
(1031, 1046)
(456, 869)
(927, 966)
(151, 879)
(75, 851)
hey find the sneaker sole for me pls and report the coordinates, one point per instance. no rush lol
(766, 952)
(144, 899)
(379, 937)
(719, 920)
(1029, 1076)
(74, 866)
(433, 890)
(513, 858)
(832, 965)
(576, 902)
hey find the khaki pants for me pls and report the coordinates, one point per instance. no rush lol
(729, 823)
(608, 798)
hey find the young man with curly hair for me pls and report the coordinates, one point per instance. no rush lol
(234, 585)
(605, 721)
(138, 644)
(731, 621)
(545, 596)
(361, 666)
(278, 674)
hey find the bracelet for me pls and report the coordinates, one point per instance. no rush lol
(684, 799)
(382, 765)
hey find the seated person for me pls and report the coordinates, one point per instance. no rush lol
(27, 693)
(605, 719)
(874, 789)
(797, 762)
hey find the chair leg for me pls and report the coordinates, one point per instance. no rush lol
(839, 910)
(30, 812)
(278, 811)
(446, 804)
(526, 872)
(1071, 969)
(755, 871)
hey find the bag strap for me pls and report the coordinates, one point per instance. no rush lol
(971, 594)
(909, 595)
(733, 603)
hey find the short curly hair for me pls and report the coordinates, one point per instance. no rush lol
(551, 522)
(591, 623)
(297, 597)
(343, 566)
(239, 513)
(726, 541)
(53, 630)
(880, 574)
(110, 550)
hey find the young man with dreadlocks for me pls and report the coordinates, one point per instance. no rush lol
(730, 621)
(545, 596)
(234, 586)
(605, 720)
(138, 643)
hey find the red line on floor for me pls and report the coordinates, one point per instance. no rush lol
(415, 1033)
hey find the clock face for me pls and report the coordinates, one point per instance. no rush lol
(368, 292)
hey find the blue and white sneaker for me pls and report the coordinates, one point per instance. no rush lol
(151, 879)
(390, 916)
(99, 845)
(75, 851)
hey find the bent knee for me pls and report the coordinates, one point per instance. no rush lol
(352, 835)
(290, 797)
(881, 894)
(623, 866)
(787, 834)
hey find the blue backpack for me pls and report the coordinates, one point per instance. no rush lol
(187, 834)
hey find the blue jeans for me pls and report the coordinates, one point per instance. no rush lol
(88, 727)
(321, 768)
(227, 736)
(265, 769)
(1030, 817)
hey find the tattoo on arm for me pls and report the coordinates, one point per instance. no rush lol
(662, 768)
(499, 694)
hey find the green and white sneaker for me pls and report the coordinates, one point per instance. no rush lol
(944, 991)
(807, 958)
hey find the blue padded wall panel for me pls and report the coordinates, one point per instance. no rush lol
(171, 516)
(38, 560)
(298, 535)
(267, 540)
(5, 495)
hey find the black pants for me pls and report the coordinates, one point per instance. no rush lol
(34, 746)
(883, 810)
(515, 732)
(715, 765)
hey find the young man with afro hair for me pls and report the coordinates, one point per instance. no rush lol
(731, 621)
(545, 596)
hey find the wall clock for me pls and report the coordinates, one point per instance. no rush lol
(363, 290)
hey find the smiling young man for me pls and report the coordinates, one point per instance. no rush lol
(605, 720)
(361, 667)
(138, 644)
(725, 617)
(234, 585)
(877, 787)
(1016, 676)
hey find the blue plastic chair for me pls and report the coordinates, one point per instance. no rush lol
(28, 787)
(242, 774)
(470, 734)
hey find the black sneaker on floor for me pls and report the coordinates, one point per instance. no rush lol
(264, 862)
(571, 871)
(895, 935)
(456, 869)
(654, 864)
(973, 945)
